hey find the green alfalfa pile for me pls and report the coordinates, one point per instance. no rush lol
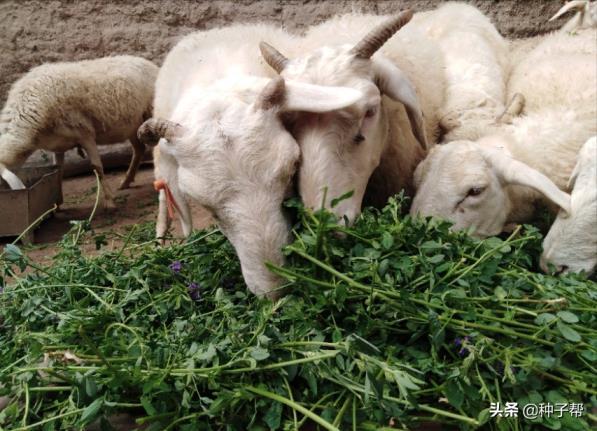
(393, 322)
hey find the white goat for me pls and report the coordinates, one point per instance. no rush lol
(59, 106)
(477, 185)
(224, 144)
(375, 140)
(585, 16)
(571, 244)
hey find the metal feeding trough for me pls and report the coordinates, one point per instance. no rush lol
(21, 208)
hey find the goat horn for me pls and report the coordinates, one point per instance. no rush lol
(150, 132)
(579, 5)
(514, 109)
(380, 35)
(273, 57)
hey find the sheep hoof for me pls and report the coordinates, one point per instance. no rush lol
(109, 205)
(124, 185)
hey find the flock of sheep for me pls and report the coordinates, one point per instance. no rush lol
(437, 104)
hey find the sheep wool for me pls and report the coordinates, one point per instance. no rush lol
(57, 106)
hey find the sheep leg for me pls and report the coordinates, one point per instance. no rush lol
(138, 151)
(184, 214)
(59, 161)
(96, 163)
(163, 222)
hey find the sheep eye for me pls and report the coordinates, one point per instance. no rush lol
(475, 191)
(358, 138)
(370, 113)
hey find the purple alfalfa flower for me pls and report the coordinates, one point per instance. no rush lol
(462, 343)
(176, 266)
(194, 291)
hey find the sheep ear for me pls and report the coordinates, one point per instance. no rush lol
(393, 83)
(317, 98)
(511, 171)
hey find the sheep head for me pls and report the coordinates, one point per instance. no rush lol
(571, 241)
(468, 183)
(235, 157)
(341, 149)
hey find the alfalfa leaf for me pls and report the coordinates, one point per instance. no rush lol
(568, 333)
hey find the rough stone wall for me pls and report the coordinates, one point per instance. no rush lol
(34, 32)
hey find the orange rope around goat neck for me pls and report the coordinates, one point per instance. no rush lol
(170, 201)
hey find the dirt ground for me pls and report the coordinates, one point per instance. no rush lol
(135, 205)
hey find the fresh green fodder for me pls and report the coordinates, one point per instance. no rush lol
(384, 324)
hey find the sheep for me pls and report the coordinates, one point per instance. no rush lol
(585, 17)
(520, 48)
(476, 65)
(222, 142)
(498, 180)
(571, 243)
(59, 106)
(376, 143)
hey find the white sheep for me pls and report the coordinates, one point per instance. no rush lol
(377, 142)
(478, 184)
(585, 16)
(222, 142)
(476, 65)
(571, 243)
(59, 106)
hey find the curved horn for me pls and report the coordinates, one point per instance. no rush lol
(514, 109)
(273, 57)
(380, 35)
(153, 129)
(579, 5)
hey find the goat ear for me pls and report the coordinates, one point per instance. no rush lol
(393, 83)
(317, 98)
(511, 171)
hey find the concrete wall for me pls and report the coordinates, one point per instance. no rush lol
(34, 32)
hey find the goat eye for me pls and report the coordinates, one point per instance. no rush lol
(358, 138)
(475, 191)
(370, 112)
